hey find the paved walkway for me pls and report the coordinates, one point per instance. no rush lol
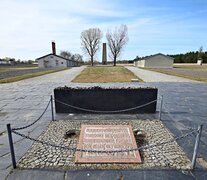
(147, 174)
(152, 76)
(21, 103)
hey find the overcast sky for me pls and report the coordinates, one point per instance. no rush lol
(167, 26)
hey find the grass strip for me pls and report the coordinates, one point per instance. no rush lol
(192, 77)
(101, 74)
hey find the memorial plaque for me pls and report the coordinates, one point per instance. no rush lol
(106, 138)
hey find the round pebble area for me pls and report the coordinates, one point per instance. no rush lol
(167, 156)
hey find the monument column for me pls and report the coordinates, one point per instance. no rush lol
(104, 55)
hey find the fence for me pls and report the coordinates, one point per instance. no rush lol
(10, 130)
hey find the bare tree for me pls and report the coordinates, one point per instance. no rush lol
(90, 41)
(78, 58)
(66, 54)
(116, 41)
(200, 52)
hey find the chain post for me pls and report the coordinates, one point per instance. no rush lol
(51, 101)
(9, 131)
(160, 112)
(197, 142)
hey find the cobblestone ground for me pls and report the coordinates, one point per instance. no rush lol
(43, 156)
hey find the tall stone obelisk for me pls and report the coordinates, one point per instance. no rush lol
(104, 55)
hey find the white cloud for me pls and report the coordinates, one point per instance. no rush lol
(27, 27)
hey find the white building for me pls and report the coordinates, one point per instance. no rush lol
(54, 61)
(4, 62)
(155, 61)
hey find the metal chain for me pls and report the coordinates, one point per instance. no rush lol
(24, 127)
(96, 111)
(98, 151)
(40, 141)
(105, 151)
(172, 140)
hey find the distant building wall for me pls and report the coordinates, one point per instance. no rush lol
(52, 61)
(155, 61)
(141, 63)
(5, 62)
(71, 63)
(159, 61)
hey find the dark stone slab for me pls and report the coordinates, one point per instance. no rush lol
(106, 100)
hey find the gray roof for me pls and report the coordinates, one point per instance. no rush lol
(56, 56)
(148, 57)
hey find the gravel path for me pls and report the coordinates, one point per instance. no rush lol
(151, 76)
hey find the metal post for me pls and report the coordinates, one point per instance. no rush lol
(11, 145)
(195, 152)
(160, 112)
(51, 99)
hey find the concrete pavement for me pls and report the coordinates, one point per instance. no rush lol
(22, 102)
(152, 76)
(147, 174)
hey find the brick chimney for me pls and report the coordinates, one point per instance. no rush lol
(104, 55)
(53, 48)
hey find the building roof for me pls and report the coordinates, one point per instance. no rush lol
(148, 57)
(56, 56)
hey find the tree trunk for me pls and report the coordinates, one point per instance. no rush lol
(91, 60)
(114, 60)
